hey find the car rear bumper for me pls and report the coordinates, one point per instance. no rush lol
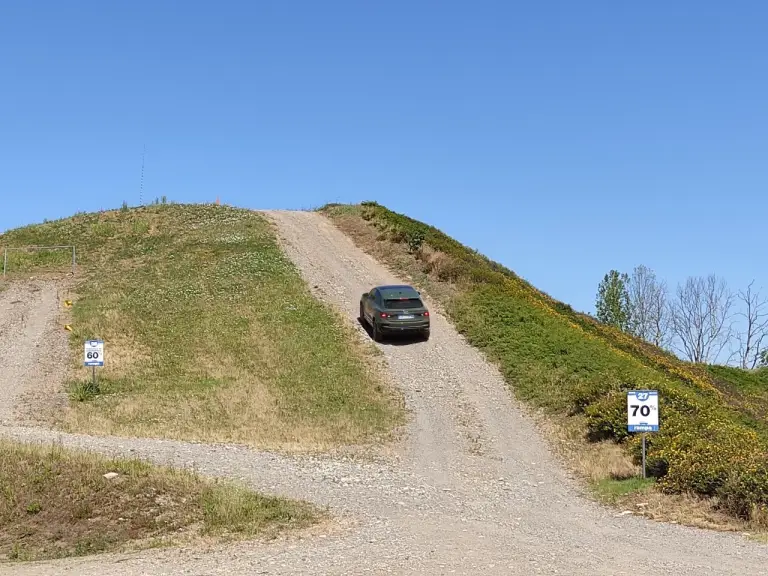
(404, 326)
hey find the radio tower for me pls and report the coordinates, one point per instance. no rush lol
(141, 186)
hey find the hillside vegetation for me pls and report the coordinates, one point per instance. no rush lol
(714, 437)
(210, 332)
(58, 503)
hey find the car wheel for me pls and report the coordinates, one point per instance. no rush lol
(425, 335)
(376, 331)
(362, 314)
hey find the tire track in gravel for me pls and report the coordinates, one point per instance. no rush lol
(475, 490)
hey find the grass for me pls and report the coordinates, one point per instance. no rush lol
(210, 333)
(613, 489)
(57, 503)
(709, 459)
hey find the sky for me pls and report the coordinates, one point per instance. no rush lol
(562, 139)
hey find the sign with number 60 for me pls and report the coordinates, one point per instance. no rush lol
(94, 353)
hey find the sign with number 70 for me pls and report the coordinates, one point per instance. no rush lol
(643, 411)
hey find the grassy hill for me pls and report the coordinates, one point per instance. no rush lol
(714, 434)
(210, 333)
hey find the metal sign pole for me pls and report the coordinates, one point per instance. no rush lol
(5, 260)
(644, 474)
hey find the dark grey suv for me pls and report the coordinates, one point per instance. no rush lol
(391, 309)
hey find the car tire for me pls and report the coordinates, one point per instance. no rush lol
(425, 335)
(362, 314)
(376, 331)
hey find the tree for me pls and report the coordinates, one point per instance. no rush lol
(612, 305)
(764, 358)
(700, 318)
(648, 303)
(755, 314)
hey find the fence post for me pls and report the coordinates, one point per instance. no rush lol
(74, 260)
(5, 260)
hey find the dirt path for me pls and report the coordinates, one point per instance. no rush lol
(474, 490)
(33, 351)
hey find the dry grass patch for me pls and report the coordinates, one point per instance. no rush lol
(418, 267)
(210, 334)
(58, 503)
(592, 461)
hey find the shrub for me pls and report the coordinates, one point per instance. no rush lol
(415, 239)
(745, 491)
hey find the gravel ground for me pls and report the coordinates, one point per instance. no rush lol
(473, 490)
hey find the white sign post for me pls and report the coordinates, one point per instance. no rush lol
(93, 357)
(643, 414)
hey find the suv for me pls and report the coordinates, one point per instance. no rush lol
(399, 308)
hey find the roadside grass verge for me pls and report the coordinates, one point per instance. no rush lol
(210, 333)
(57, 503)
(710, 458)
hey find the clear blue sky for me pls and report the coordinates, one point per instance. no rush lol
(560, 138)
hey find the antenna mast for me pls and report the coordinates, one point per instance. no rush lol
(141, 187)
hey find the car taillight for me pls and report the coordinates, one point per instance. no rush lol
(384, 315)
(426, 313)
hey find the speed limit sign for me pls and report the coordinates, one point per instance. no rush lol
(643, 411)
(94, 353)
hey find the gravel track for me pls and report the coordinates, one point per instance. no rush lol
(473, 489)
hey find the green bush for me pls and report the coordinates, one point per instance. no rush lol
(745, 491)
(415, 239)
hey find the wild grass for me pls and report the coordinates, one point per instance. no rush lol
(210, 333)
(57, 503)
(711, 450)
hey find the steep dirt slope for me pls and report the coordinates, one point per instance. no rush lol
(474, 490)
(33, 351)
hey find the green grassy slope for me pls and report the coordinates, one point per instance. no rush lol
(714, 436)
(210, 332)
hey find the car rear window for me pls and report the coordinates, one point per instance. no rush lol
(403, 303)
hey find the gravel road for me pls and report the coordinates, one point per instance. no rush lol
(473, 490)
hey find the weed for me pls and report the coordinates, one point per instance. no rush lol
(83, 391)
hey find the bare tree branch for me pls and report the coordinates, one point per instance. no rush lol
(755, 333)
(648, 298)
(700, 318)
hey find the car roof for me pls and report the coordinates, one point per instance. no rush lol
(390, 290)
(396, 287)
